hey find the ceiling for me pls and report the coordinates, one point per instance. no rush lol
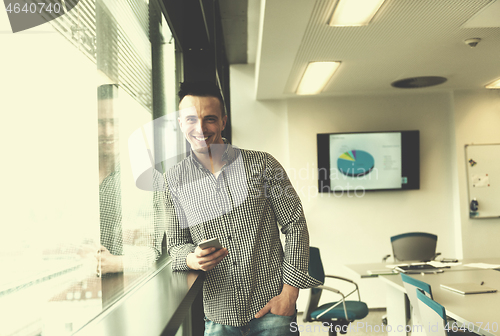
(407, 38)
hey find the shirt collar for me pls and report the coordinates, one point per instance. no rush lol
(229, 155)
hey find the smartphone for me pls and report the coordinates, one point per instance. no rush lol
(214, 242)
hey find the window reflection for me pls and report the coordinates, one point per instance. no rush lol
(130, 231)
(69, 183)
(109, 252)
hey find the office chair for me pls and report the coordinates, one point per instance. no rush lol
(433, 317)
(419, 246)
(337, 314)
(411, 286)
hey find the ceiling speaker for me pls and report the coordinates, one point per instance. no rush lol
(418, 82)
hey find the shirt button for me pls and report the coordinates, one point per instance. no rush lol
(235, 263)
(229, 237)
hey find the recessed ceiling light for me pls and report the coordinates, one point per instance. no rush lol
(354, 12)
(316, 77)
(494, 85)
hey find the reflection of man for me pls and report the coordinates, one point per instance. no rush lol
(121, 249)
(108, 131)
(110, 252)
(238, 196)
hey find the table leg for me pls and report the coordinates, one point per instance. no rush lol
(396, 312)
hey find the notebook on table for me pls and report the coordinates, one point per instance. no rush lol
(468, 288)
(417, 269)
(386, 271)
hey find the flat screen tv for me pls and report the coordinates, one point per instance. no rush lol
(364, 161)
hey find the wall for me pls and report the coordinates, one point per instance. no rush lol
(351, 229)
(257, 125)
(477, 120)
(367, 221)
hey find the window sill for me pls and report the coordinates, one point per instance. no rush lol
(157, 306)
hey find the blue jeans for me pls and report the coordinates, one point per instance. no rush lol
(267, 325)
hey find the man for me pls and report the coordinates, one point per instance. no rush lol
(238, 196)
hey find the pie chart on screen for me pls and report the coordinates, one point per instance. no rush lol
(355, 163)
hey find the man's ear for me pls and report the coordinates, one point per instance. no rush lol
(224, 120)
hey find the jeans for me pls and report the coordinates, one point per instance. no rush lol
(267, 325)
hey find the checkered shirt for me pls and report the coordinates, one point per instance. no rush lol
(241, 207)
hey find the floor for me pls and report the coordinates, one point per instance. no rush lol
(370, 325)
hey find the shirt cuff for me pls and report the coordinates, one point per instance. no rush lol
(179, 257)
(296, 278)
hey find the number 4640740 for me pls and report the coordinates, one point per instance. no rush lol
(471, 326)
(33, 8)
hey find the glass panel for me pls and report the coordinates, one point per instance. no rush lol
(49, 143)
(73, 209)
(130, 235)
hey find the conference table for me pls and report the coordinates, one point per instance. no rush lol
(477, 312)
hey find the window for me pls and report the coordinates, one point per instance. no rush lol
(73, 91)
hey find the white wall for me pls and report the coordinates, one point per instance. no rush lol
(350, 230)
(357, 229)
(257, 125)
(477, 120)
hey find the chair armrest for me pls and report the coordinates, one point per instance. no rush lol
(335, 305)
(331, 290)
(340, 278)
(347, 280)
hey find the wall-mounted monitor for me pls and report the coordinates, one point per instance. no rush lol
(368, 161)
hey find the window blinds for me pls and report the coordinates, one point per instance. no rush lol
(115, 35)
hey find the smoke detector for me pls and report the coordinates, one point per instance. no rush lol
(472, 42)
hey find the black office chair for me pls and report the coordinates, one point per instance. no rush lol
(337, 314)
(419, 246)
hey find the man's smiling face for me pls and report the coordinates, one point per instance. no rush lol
(201, 121)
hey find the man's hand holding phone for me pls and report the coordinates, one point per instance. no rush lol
(207, 255)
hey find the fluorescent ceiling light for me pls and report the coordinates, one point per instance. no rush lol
(316, 77)
(494, 85)
(355, 12)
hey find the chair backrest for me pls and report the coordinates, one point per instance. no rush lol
(414, 246)
(317, 272)
(411, 286)
(433, 315)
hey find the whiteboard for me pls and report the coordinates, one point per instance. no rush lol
(483, 179)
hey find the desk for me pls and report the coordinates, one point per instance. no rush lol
(362, 269)
(470, 308)
(463, 308)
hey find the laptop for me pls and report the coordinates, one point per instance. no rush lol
(468, 288)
